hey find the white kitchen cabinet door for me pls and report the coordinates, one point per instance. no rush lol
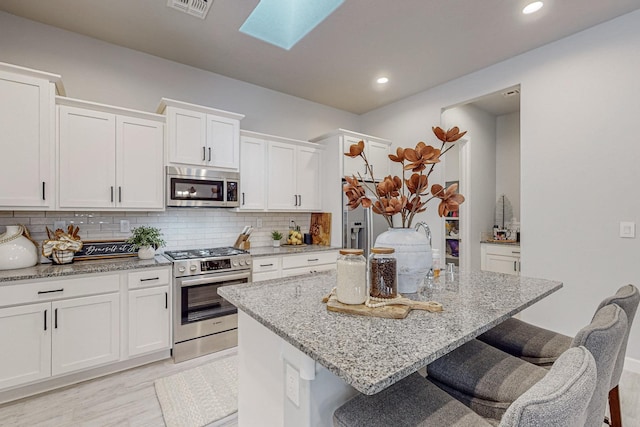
(26, 140)
(252, 173)
(223, 143)
(503, 264)
(25, 332)
(378, 156)
(352, 165)
(281, 174)
(85, 332)
(187, 136)
(139, 172)
(149, 320)
(87, 158)
(308, 178)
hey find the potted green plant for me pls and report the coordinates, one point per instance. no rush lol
(276, 236)
(146, 240)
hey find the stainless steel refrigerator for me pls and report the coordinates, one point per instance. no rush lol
(360, 227)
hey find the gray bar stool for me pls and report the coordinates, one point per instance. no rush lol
(559, 399)
(542, 346)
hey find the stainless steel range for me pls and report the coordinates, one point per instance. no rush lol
(203, 321)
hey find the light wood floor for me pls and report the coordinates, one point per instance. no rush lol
(124, 399)
(128, 399)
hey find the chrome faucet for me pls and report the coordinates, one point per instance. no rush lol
(427, 230)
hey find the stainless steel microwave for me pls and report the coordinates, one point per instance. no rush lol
(191, 187)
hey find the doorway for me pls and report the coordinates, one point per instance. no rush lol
(486, 166)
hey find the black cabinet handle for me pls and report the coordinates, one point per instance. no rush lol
(112, 194)
(55, 318)
(43, 190)
(243, 198)
(266, 265)
(50, 292)
(300, 202)
(45, 320)
(166, 300)
(204, 153)
(209, 153)
(149, 279)
(514, 265)
(119, 194)
(295, 200)
(313, 259)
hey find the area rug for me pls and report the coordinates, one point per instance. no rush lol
(200, 396)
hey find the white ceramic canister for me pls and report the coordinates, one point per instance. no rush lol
(351, 269)
(16, 251)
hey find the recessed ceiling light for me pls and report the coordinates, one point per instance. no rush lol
(532, 7)
(382, 80)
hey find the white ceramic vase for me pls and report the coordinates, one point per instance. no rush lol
(276, 243)
(413, 255)
(146, 252)
(16, 251)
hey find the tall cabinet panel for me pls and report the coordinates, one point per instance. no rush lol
(27, 120)
(252, 172)
(308, 178)
(281, 176)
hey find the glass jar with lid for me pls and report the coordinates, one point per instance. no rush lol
(383, 273)
(351, 271)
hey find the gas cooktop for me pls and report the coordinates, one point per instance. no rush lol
(228, 251)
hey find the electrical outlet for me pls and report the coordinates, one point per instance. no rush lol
(124, 226)
(628, 229)
(59, 224)
(292, 223)
(259, 223)
(292, 384)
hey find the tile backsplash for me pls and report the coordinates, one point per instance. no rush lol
(182, 228)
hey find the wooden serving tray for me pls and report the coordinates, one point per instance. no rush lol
(395, 311)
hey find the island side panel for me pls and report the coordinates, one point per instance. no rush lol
(262, 357)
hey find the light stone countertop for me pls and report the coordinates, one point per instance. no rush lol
(41, 271)
(289, 250)
(372, 353)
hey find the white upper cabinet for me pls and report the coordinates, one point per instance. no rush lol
(109, 157)
(286, 170)
(201, 136)
(27, 139)
(253, 181)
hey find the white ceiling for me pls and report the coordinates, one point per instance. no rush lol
(418, 44)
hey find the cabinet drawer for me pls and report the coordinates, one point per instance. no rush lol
(146, 278)
(504, 250)
(47, 290)
(309, 259)
(259, 277)
(308, 270)
(261, 264)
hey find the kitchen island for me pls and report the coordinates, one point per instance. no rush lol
(298, 362)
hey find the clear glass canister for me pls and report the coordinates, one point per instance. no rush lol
(383, 273)
(351, 271)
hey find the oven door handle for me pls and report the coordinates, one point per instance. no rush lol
(209, 280)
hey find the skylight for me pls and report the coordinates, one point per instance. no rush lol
(285, 22)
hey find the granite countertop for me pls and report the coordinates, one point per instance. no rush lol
(372, 353)
(289, 250)
(500, 242)
(41, 271)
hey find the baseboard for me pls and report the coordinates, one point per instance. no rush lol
(632, 365)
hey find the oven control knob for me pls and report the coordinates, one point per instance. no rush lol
(235, 263)
(241, 262)
(181, 269)
(193, 268)
(248, 262)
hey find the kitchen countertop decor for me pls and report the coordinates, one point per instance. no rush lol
(371, 353)
(41, 271)
(289, 250)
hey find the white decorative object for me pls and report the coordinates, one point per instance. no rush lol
(16, 250)
(413, 255)
(146, 252)
(276, 243)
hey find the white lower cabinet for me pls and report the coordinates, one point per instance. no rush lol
(85, 333)
(58, 326)
(149, 320)
(500, 258)
(26, 334)
(266, 268)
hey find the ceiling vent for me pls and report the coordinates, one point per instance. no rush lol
(198, 8)
(511, 92)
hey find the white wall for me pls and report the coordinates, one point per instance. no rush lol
(97, 71)
(579, 156)
(508, 159)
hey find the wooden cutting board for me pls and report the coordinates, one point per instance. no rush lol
(320, 228)
(395, 311)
